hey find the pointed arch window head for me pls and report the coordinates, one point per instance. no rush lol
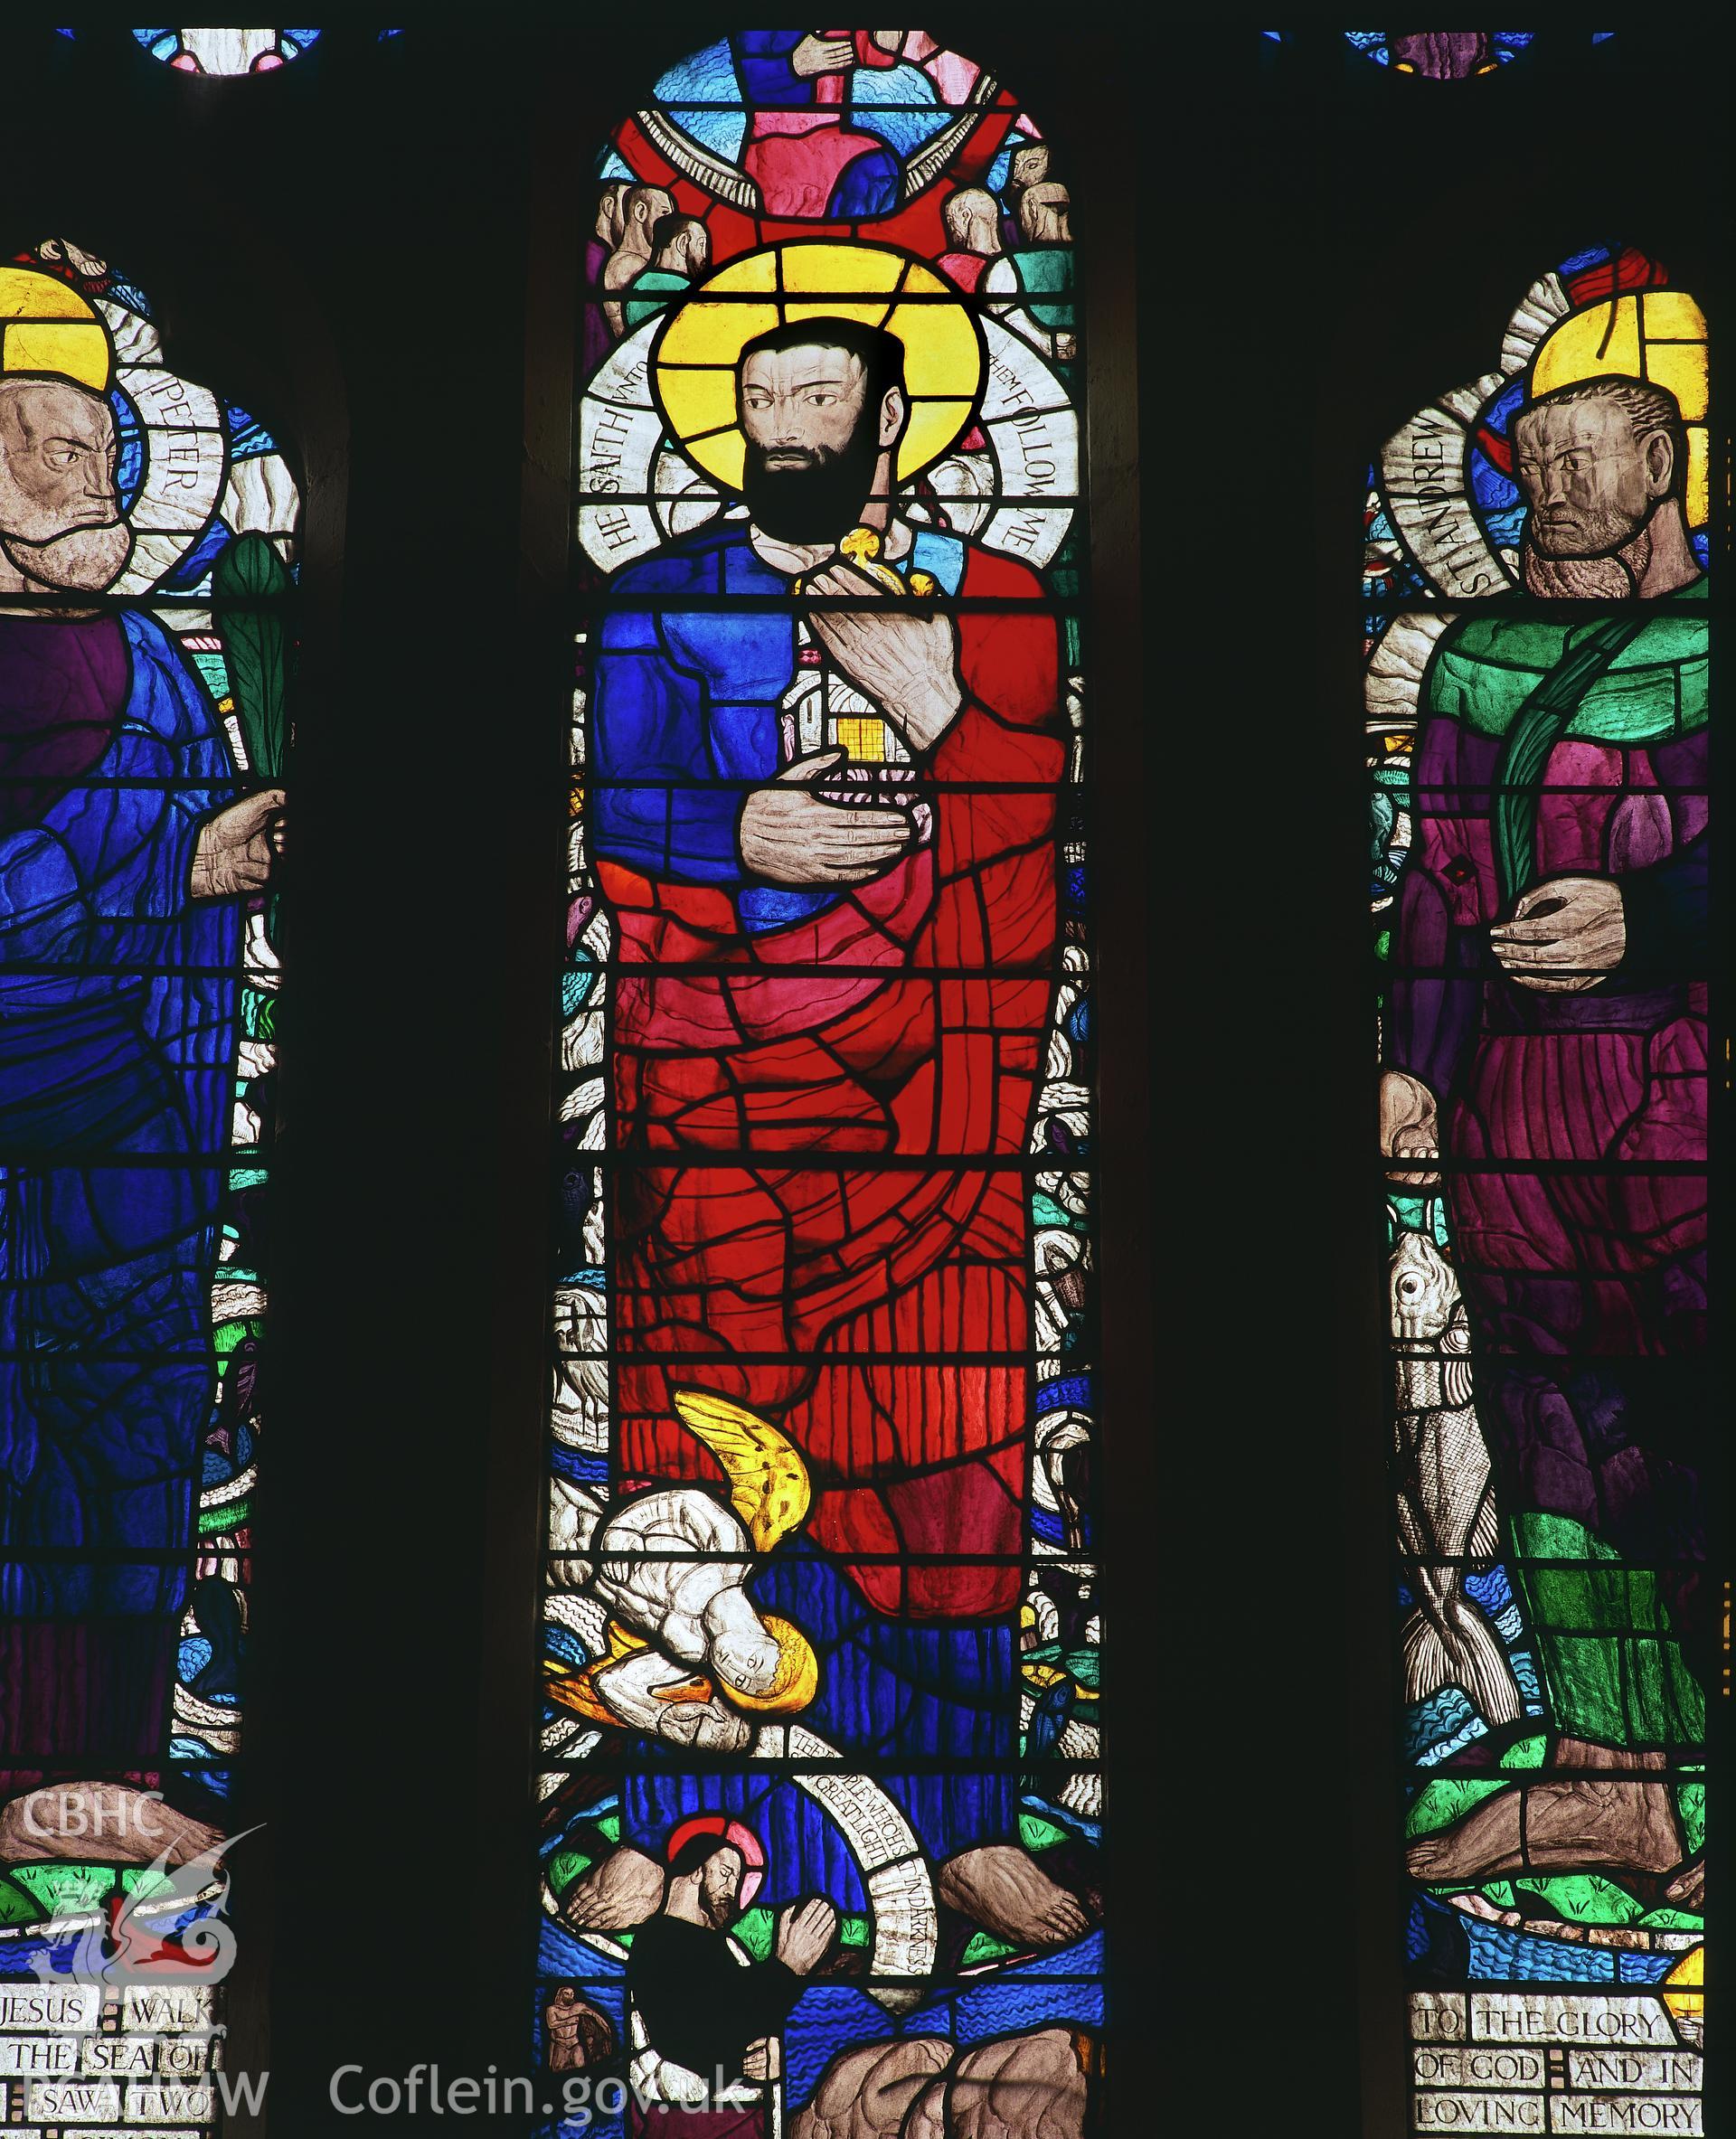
(819, 1767)
(1448, 55)
(1442, 55)
(226, 52)
(1536, 638)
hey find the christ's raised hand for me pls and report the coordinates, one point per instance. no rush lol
(804, 1934)
(790, 834)
(900, 653)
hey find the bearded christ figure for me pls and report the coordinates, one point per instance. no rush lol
(837, 948)
(1547, 1046)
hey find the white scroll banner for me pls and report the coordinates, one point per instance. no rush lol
(901, 1892)
(187, 464)
(996, 493)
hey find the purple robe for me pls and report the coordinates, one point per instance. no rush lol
(1573, 1127)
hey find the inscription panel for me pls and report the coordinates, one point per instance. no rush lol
(1550, 2061)
(75, 2059)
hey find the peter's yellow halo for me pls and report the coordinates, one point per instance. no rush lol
(694, 362)
(46, 327)
(1659, 335)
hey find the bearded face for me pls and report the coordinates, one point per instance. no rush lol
(60, 522)
(1591, 491)
(812, 442)
(720, 1889)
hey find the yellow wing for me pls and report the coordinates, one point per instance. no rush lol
(769, 1487)
(577, 1688)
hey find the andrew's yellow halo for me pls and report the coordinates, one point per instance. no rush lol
(1659, 335)
(693, 365)
(46, 326)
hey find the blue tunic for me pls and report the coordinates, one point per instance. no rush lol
(688, 705)
(117, 1047)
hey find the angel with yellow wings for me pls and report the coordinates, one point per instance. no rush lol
(690, 1658)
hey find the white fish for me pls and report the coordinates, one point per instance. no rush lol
(1445, 1495)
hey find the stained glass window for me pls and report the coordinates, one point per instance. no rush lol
(1441, 55)
(226, 52)
(148, 533)
(1537, 669)
(819, 1775)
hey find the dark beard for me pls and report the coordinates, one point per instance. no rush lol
(84, 560)
(819, 501)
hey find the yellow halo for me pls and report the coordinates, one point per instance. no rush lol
(693, 364)
(47, 327)
(1684, 1987)
(798, 1673)
(1659, 335)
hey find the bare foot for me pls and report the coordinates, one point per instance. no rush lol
(614, 1894)
(1584, 1824)
(1005, 1890)
(99, 1823)
(867, 2093)
(1021, 2087)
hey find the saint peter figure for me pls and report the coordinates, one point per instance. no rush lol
(127, 857)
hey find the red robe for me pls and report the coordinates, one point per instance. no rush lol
(877, 1309)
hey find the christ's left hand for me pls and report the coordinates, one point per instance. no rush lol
(901, 654)
(1564, 935)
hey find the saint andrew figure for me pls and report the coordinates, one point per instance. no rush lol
(1547, 1066)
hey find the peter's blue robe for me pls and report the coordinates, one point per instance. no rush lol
(117, 1051)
